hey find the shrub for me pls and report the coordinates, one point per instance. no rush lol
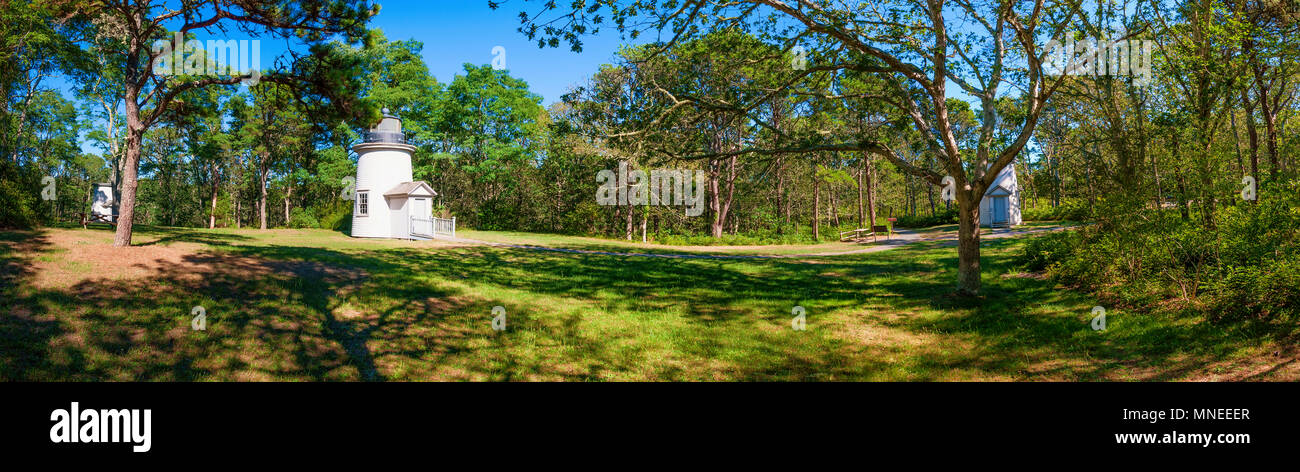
(340, 219)
(1072, 210)
(943, 217)
(1246, 265)
(1043, 252)
(19, 192)
(1271, 290)
(302, 218)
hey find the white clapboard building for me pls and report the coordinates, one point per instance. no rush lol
(103, 207)
(389, 202)
(1000, 206)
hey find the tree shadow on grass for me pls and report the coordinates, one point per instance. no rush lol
(23, 329)
(265, 320)
(181, 235)
(1035, 328)
(699, 289)
(280, 312)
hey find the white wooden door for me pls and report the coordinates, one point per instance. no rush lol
(999, 210)
(420, 212)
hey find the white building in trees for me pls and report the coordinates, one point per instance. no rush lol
(1000, 206)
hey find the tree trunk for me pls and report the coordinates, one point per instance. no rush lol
(1270, 129)
(238, 208)
(261, 201)
(1268, 110)
(834, 207)
(629, 222)
(1253, 133)
(288, 193)
(715, 205)
(862, 214)
(817, 205)
(131, 164)
(782, 205)
(731, 192)
(871, 190)
(212, 214)
(788, 204)
(1236, 143)
(968, 244)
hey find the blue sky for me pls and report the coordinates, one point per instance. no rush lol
(455, 32)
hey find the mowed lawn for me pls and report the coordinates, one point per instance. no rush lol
(317, 305)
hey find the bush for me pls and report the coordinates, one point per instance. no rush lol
(340, 219)
(1247, 265)
(19, 192)
(943, 217)
(1271, 290)
(1072, 210)
(301, 218)
(801, 234)
(1043, 252)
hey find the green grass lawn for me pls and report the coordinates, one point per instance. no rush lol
(317, 305)
(616, 245)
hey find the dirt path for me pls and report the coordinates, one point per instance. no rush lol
(901, 238)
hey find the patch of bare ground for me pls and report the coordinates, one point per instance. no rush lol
(1026, 275)
(1056, 369)
(81, 259)
(1278, 365)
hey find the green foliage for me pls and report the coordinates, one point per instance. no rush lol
(1048, 250)
(943, 217)
(19, 190)
(338, 220)
(302, 218)
(1069, 210)
(744, 239)
(1269, 290)
(1245, 266)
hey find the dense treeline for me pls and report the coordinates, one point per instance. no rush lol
(800, 133)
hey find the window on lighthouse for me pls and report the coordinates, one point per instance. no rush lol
(363, 203)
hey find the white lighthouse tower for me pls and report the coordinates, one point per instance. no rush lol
(389, 202)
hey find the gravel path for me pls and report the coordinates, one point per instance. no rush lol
(901, 238)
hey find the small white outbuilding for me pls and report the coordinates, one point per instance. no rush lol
(389, 202)
(103, 208)
(1000, 206)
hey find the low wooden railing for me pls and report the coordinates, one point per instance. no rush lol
(430, 227)
(445, 226)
